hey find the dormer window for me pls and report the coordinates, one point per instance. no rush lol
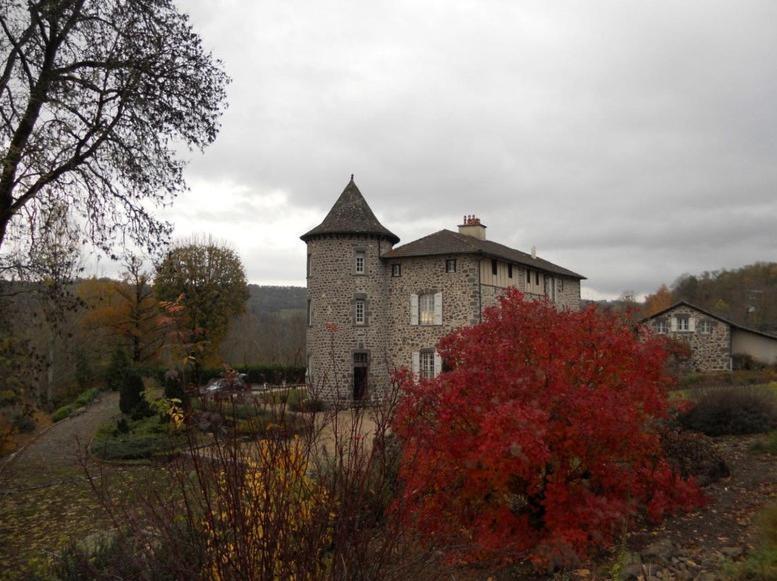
(359, 262)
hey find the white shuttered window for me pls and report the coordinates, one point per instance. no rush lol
(426, 309)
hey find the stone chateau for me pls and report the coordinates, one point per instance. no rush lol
(374, 307)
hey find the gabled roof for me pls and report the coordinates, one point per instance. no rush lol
(447, 242)
(709, 314)
(351, 215)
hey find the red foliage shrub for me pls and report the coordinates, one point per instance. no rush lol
(542, 439)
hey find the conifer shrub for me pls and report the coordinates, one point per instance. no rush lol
(117, 368)
(542, 439)
(132, 400)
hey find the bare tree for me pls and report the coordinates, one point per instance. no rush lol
(96, 99)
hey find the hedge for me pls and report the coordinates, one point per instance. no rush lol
(271, 374)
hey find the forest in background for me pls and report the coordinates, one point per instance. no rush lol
(73, 351)
(745, 295)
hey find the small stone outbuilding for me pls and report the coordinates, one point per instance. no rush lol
(713, 340)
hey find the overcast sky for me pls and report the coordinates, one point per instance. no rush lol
(628, 141)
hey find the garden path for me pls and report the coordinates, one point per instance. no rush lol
(45, 498)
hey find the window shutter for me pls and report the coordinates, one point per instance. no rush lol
(674, 324)
(438, 308)
(691, 324)
(413, 309)
(437, 364)
(416, 362)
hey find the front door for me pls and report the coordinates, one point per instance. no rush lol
(360, 374)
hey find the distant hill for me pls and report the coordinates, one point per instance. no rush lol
(264, 300)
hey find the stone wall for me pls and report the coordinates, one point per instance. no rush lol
(709, 351)
(460, 302)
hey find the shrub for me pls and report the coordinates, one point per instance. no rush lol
(84, 373)
(62, 413)
(117, 368)
(135, 440)
(8, 397)
(24, 422)
(694, 455)
(735, 410)
(131, 397)
(174, 388)
(299, 401)
(541, 439)
(86, 397)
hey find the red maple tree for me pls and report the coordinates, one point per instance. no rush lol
(541, 440)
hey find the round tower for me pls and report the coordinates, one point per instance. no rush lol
(346, 352)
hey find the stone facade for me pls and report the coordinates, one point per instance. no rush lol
(708, 338)
(409, 302)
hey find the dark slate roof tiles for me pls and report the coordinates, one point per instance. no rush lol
(351, 215)
(448, 242)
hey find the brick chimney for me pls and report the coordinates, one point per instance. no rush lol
(472, 227)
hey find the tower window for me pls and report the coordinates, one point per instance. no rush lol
(493, 267)
(360, 260)
(509, 271)
(360, 313)
(396, 270)
(310, 258)
(310, 313)
(450, 265)
(528, 276)
(537, 277)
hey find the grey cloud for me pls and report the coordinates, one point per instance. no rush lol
(623, 139)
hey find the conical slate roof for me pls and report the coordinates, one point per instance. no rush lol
(351, 215)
